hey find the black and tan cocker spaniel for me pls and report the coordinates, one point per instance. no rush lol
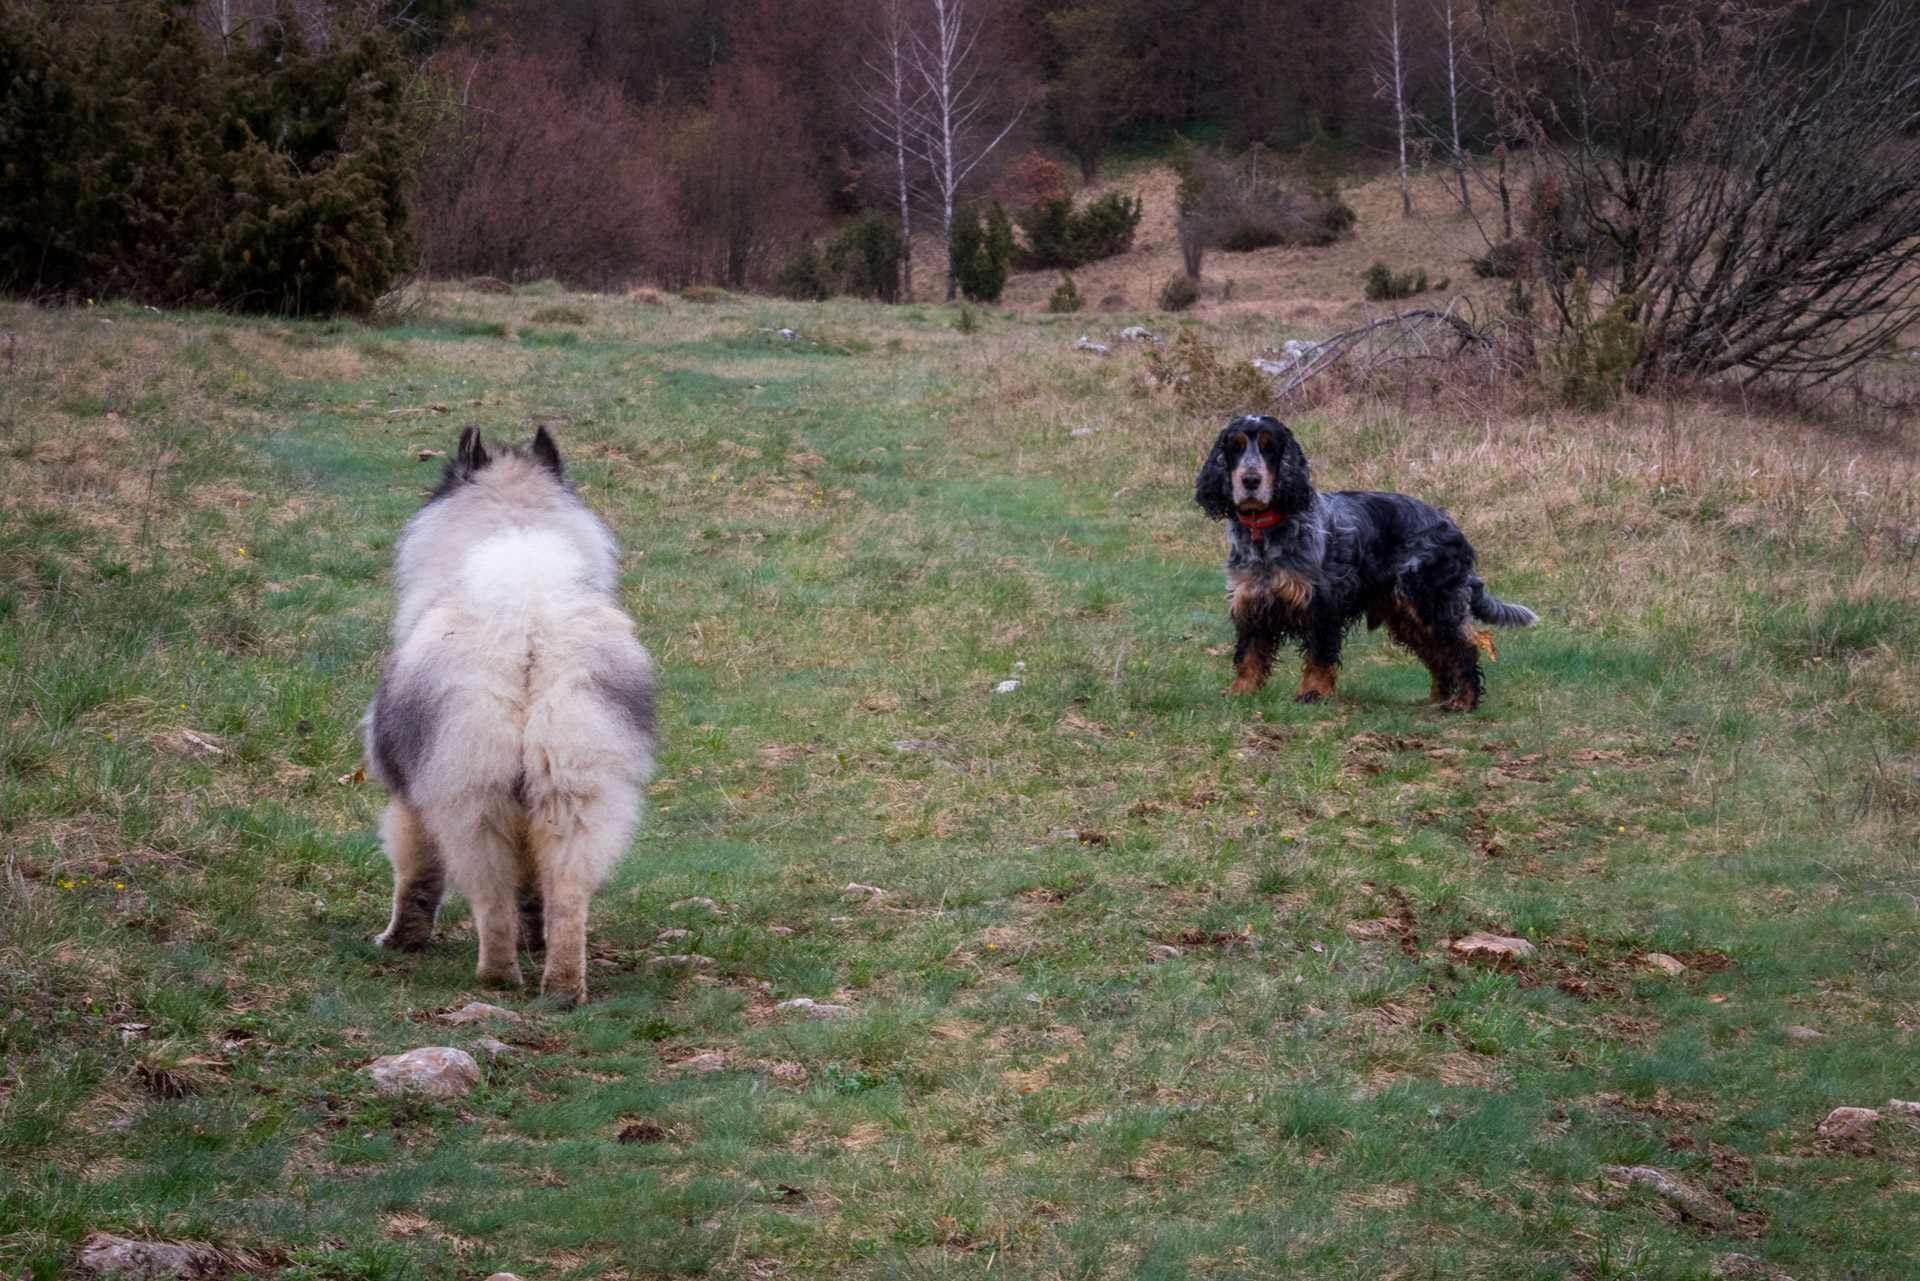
(1305, 566)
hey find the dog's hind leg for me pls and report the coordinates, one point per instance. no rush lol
(480, 847)
(574, 845)
(533, 911)
(1404, 625)
(419, 878)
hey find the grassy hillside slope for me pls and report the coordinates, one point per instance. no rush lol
(835, 546)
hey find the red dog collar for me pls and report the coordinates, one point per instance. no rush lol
(1262, 523)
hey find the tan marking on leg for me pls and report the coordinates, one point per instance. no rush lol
(1252, 670)
(1316, 683)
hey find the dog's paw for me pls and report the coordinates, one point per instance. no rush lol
(403, 938)
(566, 995)
(508, 977)
(1308, 696)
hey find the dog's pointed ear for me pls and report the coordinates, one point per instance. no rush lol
(1213, 488)
(547, 454)
(472, 454)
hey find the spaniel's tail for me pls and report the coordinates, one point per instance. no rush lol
(1498, 612)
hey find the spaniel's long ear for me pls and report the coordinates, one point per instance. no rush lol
(1213, 488)
(1292, 477)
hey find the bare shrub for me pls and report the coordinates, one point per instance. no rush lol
(526, 177)
(1752, 196)
(741, 190)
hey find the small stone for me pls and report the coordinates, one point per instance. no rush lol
(707, 903)
(867, 891)
(783, 931)
(1849, 1123)
(1162, 951)
(1083, 431)
(1670, 964)
(667, 935)
(708, 1061)
(691, 960)
(1804, 1034)
(505, 1276)
(1006, 687)
(474, 1011)
(1136, 333)
(493, 1047)
(1644, 1176)
(434, 1069)
(1480, 943)
(816, 1009)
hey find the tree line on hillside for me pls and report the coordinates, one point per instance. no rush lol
(1702, 184)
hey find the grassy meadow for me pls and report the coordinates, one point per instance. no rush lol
(1159, 984)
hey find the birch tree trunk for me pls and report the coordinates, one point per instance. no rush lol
(1453, 107)
(950, 124)
(1400, 108)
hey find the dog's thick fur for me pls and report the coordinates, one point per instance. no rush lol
(513, 724)
(1304, 565)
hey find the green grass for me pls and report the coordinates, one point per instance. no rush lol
(834, 547)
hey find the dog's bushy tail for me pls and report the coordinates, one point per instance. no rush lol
(1498, 612)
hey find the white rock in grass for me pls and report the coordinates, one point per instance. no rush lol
(1087, 344)
(1804, 1034)
(1137, 333)
(815, 1009)
(1163, 951)
(474, 1011)
(434, 1069)
(1480, 943)
(858, 890)
(691, 960)
(1006, 687)
(707, 903)
(492, 1047)
(504, 1276)
(1901, 1107)
(1670, 964)
(1849, 1123)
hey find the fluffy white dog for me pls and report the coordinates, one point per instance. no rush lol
(513, 725)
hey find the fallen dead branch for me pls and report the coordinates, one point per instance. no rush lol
(1413, 333)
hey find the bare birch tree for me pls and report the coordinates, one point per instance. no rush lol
(1453, 104)
(1396, 84)
(889, 99)
(951, 122)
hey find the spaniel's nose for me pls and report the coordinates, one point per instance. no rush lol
(1250, 480)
